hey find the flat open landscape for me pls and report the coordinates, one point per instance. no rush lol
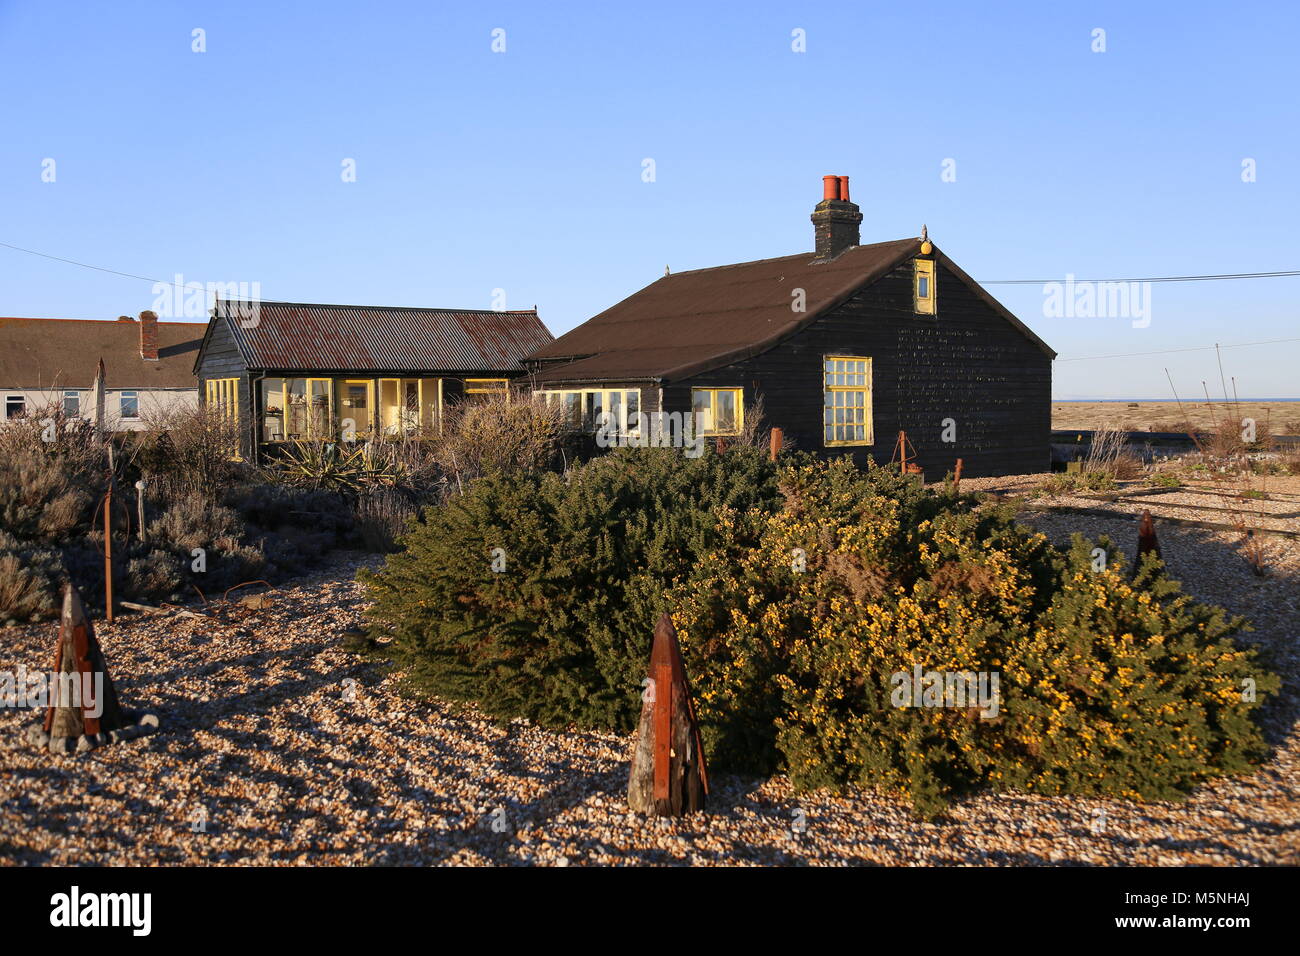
(279, 746)
(1274, 418)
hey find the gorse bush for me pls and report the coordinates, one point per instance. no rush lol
(1104, 687)
(801, 593)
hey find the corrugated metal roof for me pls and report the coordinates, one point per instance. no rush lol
(297, 335)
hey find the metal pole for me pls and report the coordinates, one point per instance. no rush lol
(108, 538)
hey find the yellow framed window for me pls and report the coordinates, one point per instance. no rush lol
(430, 398)
(319, 399)
(846, 396)
(923, 286)
(587, 409)
(274, 420)
(222, 395)
(482, 389)
(718, 411)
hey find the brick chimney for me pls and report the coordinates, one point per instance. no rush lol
(835, 219)
(149, 336)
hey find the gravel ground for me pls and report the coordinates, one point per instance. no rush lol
(279, 746)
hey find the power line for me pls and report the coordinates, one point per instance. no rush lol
(1204, 278)
(1195, 348)
(84, 265)
(98, 268)
(1234, 275)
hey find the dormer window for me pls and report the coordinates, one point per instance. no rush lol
(924, 286)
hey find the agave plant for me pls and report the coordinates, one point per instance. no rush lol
(335, 467)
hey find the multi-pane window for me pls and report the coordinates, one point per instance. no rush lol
(71, 404)
(297, 409)
(222, 396)
(924, 287)
(15, 406)
(484, 389)
(846, 417)
(588, 409)
(129, 404)
(718, 411)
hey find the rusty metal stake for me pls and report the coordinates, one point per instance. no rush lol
(108, 540)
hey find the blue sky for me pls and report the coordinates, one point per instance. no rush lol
(522, 170)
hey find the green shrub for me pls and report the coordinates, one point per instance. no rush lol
(1166, 479)
(195, 521)
(1105, 687)
(799, 593)
(562, 635)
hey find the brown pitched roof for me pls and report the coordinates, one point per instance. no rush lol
(302, 336)
(690, 322)
(64, 353)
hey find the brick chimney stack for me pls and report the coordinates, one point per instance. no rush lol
(149, 336)
(835, 219)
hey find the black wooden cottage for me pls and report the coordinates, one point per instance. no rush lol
(288, 371)
(846, 347)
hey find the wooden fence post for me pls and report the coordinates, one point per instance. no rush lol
(669, 776)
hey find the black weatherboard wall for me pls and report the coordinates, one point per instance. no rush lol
(967, 363)
(219, 358)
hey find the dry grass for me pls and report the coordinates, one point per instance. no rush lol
(1280, 418)
(1110, 455)
(187, 450)
(501, 434)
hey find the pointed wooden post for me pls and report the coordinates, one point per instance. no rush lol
(956, 476)
(78, 656)
(669, 776)
(777, 438)
(1147, 543)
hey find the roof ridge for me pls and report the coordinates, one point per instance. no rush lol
(37, 318)
(797, 255)
(387, 308)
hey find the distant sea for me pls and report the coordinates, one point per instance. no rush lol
(1192, 401)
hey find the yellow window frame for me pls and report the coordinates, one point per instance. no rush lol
(713, 393)
(223, 394)
(328, 430)
(624, 424)
(923, 278)
(846, 388)
(488, 386)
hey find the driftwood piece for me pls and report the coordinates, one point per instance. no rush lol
(150, 609)
(669, 776)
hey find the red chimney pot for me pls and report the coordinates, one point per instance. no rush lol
(844, 188)
(830, 187)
